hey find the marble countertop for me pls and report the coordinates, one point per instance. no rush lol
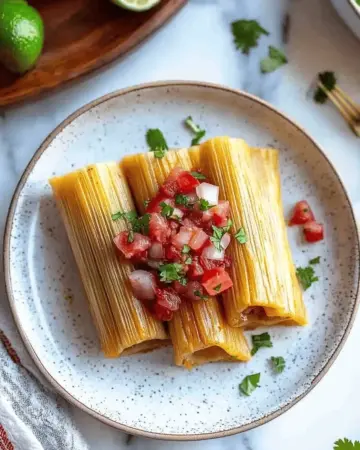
(197, 45)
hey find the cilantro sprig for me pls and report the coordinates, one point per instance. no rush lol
(260, 341)
(199, 133)
(171, 272)
(345, 444)
(166, 210)
(246, 34)
(156, 142)
(181, 199)
(198, 175)
(315, 260)
(201, 295)
(135, 224)
(204, 204)
(249, 384)
(218, 233)
(241, 236)
(275, 59)
(306, 276)
(278, 363)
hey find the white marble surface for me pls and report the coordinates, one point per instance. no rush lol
(197, 45)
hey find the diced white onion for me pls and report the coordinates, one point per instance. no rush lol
(177, 213)
(154, 264)
(143, 284)
(211, 252)
(225, 241)
(208, 192)
(156, 251)
(183, 237)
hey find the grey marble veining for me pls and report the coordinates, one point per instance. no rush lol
(197, 45)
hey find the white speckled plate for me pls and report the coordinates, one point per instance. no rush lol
(147, 394)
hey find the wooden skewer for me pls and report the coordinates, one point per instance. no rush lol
(346, 106)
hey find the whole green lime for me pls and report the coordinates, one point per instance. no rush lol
(21, 35)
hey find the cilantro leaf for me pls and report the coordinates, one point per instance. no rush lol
(246, 34)
(345, 444)
(204, 204)
(241, 236)
(186, 249)
(315, 260)
(131, 236)
(328, 80)
(199, 133)
(218, 233)
(198, 175)
(181, 199)
(188, 260)
(306, 276)
(249, 384)
(183, 281)
(278, 363)
(217, 288)
(156, 142)
(259, 341)
(171, 272)
(201, 295)
(146, 203)
(140, 224)
(227, 227)
(275, 59)
(166, 210)
(118, 215)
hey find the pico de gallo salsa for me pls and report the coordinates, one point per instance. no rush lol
(178, 246)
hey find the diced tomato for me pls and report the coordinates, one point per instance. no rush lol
(167, 300)
(313, 231)
(188, 223)
(194, 291)
(198, 239)
(216, 281)
(208, 264)
(154, 205)
(132, 249)
(172, 253)
(174, 227)
(143, 284)
(220, 213)
(179, 288)
(301, 214)
(186, 182)
(159, 229)
(141, 257)
(183, 237)
(195, 271)
(162, 313)
(170, 186)
(156, 251)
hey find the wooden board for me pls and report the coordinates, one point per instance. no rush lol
(80, 36)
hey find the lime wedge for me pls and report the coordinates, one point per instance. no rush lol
(136, 5)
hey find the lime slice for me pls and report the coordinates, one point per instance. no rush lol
(136, 5)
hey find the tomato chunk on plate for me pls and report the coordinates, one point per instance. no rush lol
(139, 244)
(313, 231)
(216, 281)
(302, 213)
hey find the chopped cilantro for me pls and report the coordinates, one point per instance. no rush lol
(259, 341)
(240, 236)
(131, 236)
(306, 276)
(198, 175)
(166, 210)
(201, 295)
(186, 249)
(188, 260)
(345, 444)
(249, 384)
(218, 233)
(181, 199)
(275, 59)
(140, 224)
(204, 204)
(199, 133)
(171, 272)
(315, 260)
(246, 34)
(217, 288)
(328, 80)
(278, 363)
(156, 142)
(183, 281)
(146, 203)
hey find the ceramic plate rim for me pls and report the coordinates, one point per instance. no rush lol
(8, 286)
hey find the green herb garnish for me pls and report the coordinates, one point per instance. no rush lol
(171, 272)
(278, 363)
(156, 142)
(198, 175)
(188, 260)
(249, 384)
(146, 203)
(166, 210)
(246, 34)
(131, 236)
(201, 295)
(306, 276)
(218, 233)
(183, 281)
(181, 199)
(240, 236)
(217, 288)
(328, 80)
(315, 260)
(275, 59)
(204, 204)
(140, 224)
(199, 133)
(259, 341)
(186, 249)
(345, 444)
(130, 215)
